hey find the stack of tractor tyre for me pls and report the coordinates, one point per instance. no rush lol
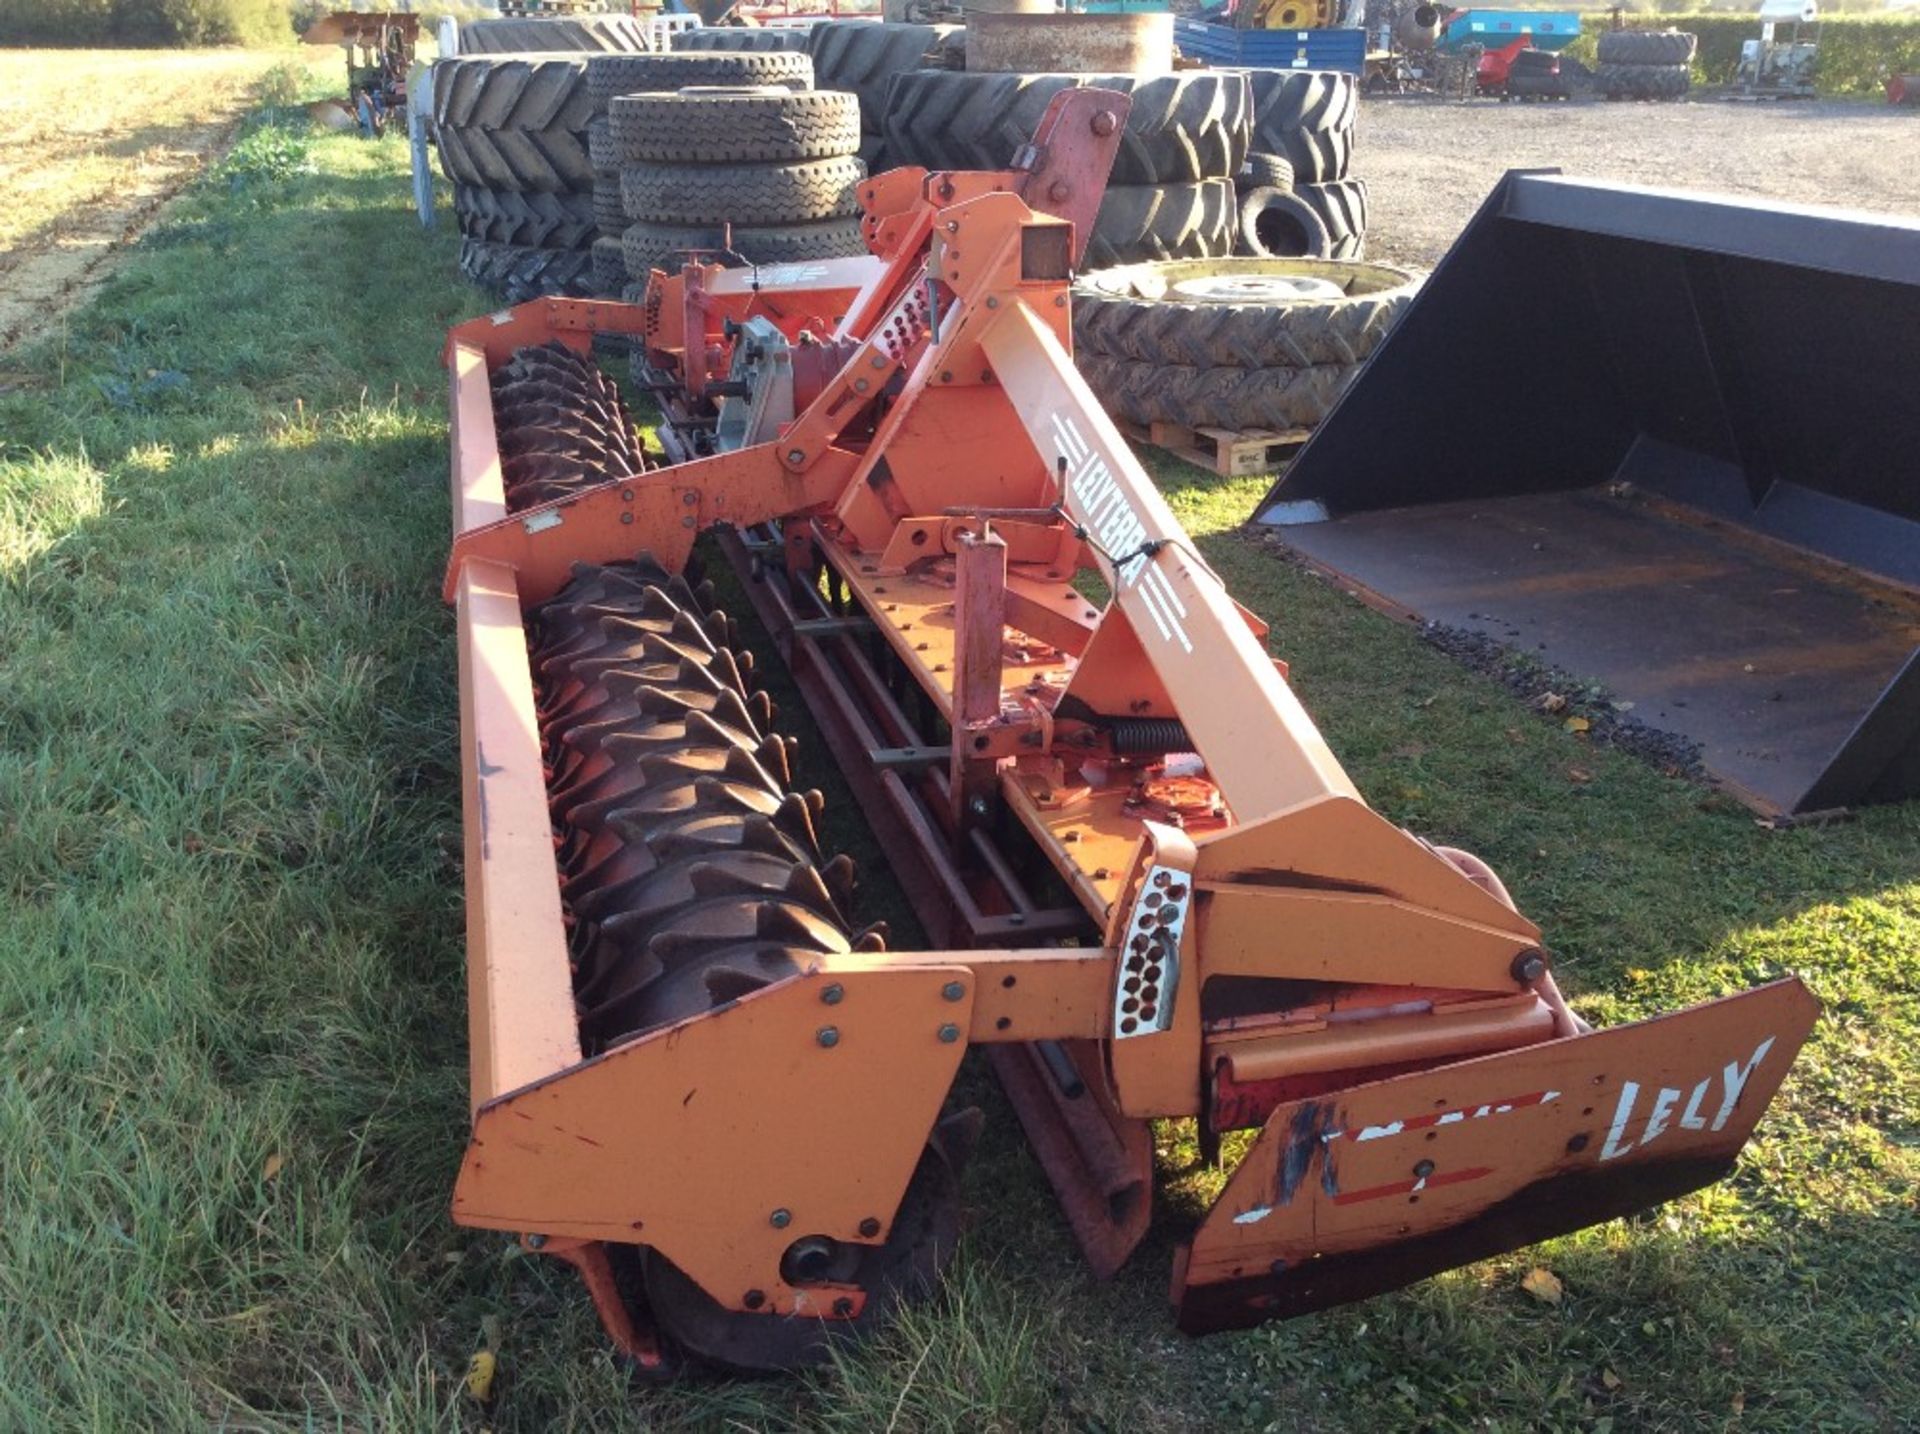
(512, 135)
(1236, 344)
(613, 77)
(1171, 192)
(863, 57)
(1645, 64)
(766, 174)
(1297, 196)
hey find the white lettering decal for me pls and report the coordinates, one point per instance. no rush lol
(1629, 1093)
(1733, 1080)
(1736, 1078)
(1103, 508)
(1662, 1108)
(1690, 1117)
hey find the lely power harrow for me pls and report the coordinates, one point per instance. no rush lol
(1154, 893)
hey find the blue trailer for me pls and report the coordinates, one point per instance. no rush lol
(1549, 29)
(1342, 49)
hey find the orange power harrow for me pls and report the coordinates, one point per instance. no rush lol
(1153, 891)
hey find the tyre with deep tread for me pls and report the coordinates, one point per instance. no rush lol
(1308, 116)
(1643, 82)
(545, 221)
(1140, 222)
(1646, 47)
(1183, 127)
(1265, 171)
(734, 126)
(517, 273)
(1240, 313)
(863, 57)
(739, 39)
(512, 92)
(514, 123)
(610, 75)
(1279, 224)
(650, 246)
(742, 193)
(612, 34)
(1342, 207)
(1232, 398)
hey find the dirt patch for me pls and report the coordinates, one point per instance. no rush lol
(43, 285)
(1430, 163)
(97, 143)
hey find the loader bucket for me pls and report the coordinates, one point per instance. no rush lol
(1665, 441)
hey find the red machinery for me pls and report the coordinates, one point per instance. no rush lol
(1152, 890)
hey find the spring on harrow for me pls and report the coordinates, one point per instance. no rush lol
(1143, 736)
(562, 426)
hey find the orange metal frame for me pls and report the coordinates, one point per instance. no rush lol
(1422, 1093)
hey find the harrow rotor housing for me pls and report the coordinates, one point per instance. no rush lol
(1151, 889)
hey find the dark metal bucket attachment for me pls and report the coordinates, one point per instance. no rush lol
(1668, 442)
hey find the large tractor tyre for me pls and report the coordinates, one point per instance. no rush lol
(1140, 222)
(523, 92)
(862, 57)
(1183, 129)
(1265, 171)
(1240, 313)
(753, 194)
(514, 122)
(542, 161)
(1342, 207)
(609, 214)
(612, 75)
(735, 126)
(739, 40)
(1646, 47)
(1308, 116)
(646, 247)
(611, 34)
(1232, 398)
(516, 273)
(1279, 224)
(1643, 82)
(609, 267)
(542, 221)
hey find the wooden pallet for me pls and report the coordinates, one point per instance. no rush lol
(1228, 452)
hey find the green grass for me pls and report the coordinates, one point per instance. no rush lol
(232, 1097)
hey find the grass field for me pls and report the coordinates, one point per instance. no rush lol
(232, 1097)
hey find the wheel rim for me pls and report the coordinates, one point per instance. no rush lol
(1257, 288)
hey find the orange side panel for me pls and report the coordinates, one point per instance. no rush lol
(519, 988)
(1367, 1189)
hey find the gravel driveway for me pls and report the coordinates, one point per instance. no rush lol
(1429, 163)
